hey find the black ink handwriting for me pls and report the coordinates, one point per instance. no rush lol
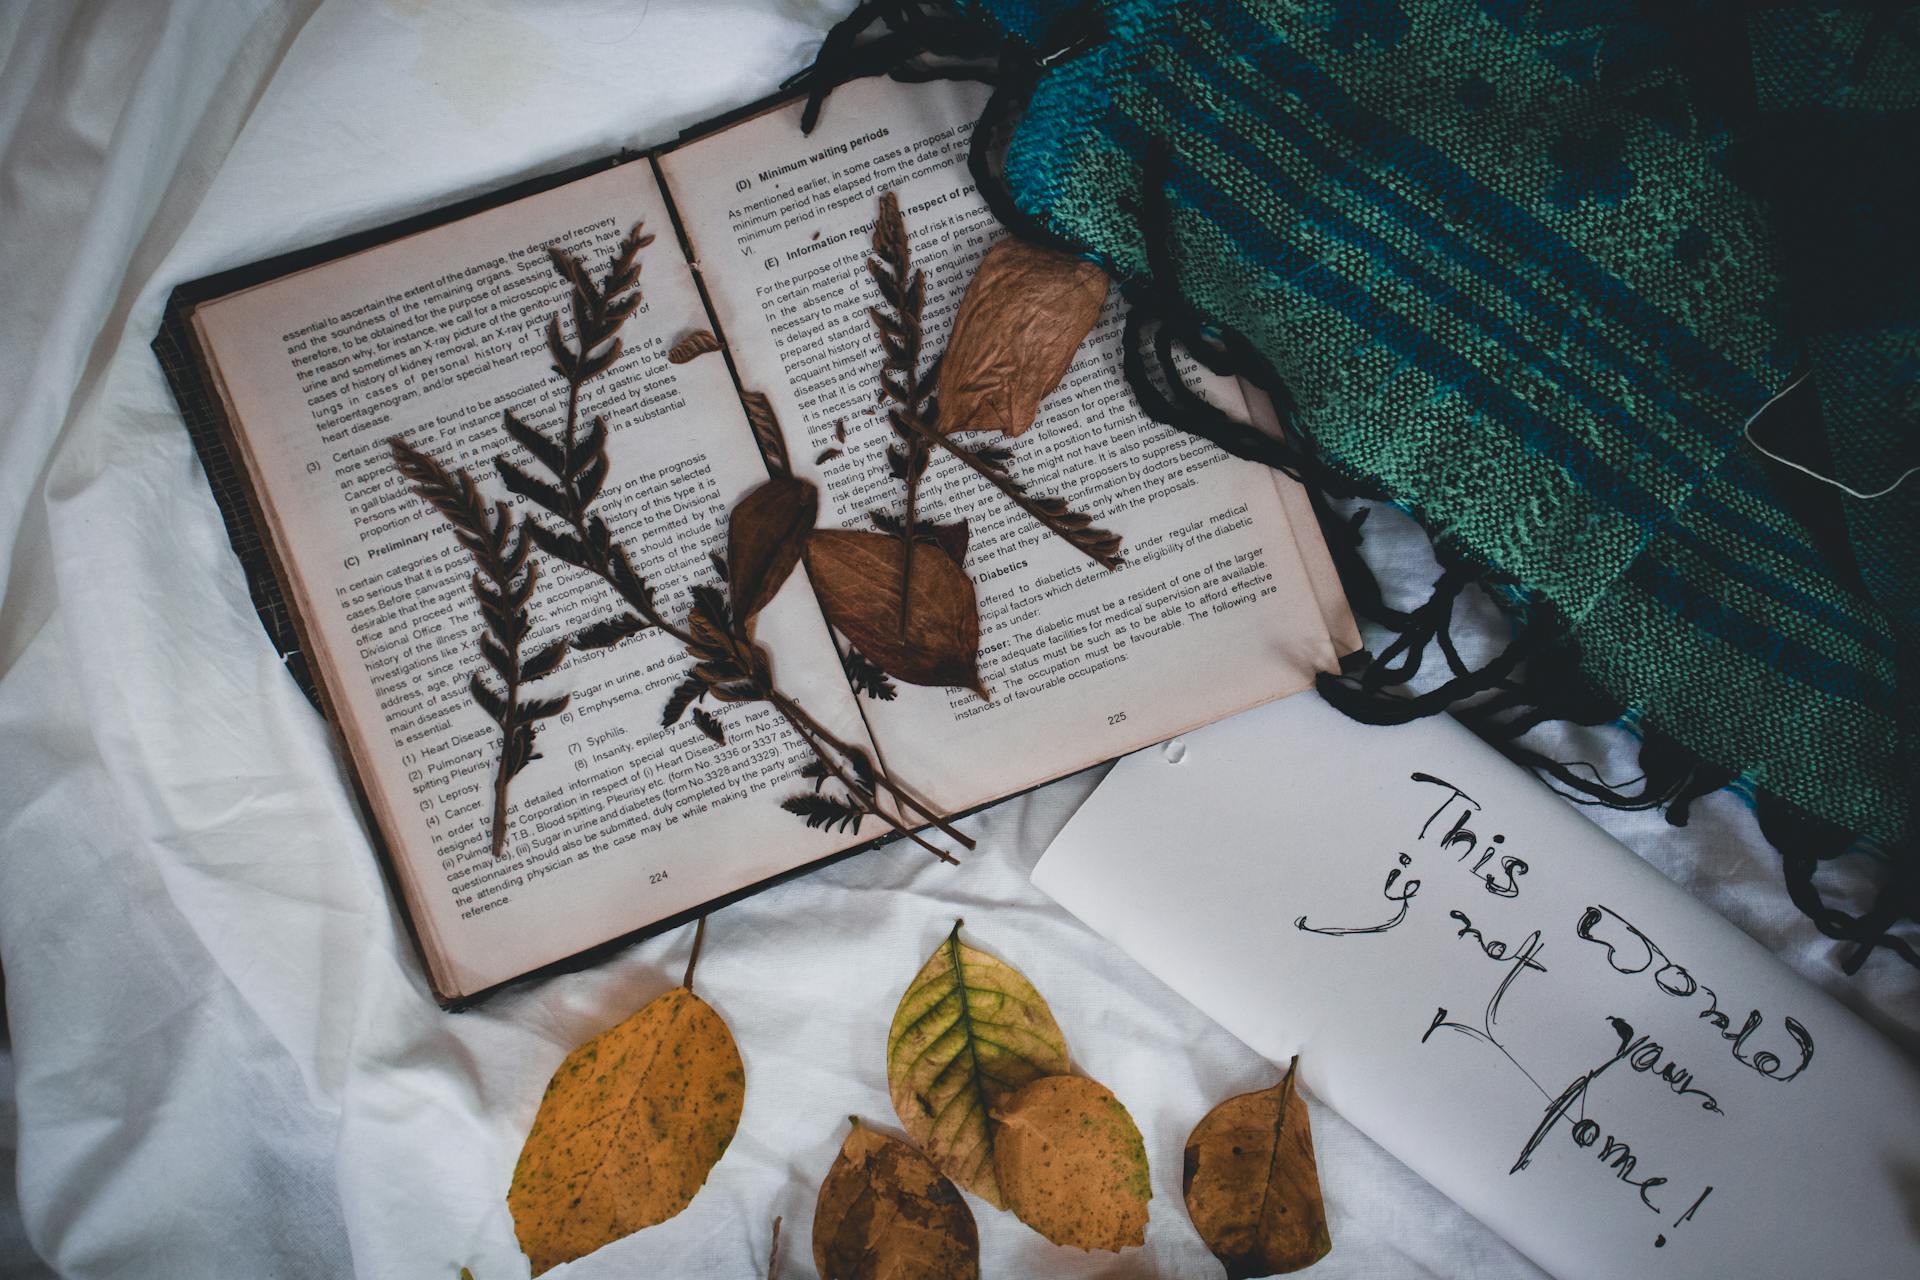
(1615, 1153)
(1631, 951)
(1504, 882)
(1404, 898)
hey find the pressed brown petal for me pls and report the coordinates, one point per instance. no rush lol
(697, 343)
(856, 575)
(1024, 315)
(766, 534)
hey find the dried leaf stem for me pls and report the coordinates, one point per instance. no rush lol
(904, 288)
(693, 958)
(859, 778)
(503, 583)
(1102, 546)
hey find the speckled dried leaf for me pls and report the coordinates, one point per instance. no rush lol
(1072, 1164)
(1025, 313)
(632, 1122)
(945, 1077)
(856, 575)
(885, 1213)
(1252, 1187)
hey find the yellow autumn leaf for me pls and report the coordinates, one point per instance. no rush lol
(1252, 1187)
(631, 1124)
(969, 1031)
(1072, 1164)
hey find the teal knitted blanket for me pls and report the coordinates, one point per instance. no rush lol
(1613, 297)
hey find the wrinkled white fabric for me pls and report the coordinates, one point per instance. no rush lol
(221, 1056)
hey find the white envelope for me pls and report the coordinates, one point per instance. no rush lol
(1537, 1022)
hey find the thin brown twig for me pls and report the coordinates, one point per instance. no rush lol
(1095, 551)
(905, 797)
(804, 725)
(699, 936)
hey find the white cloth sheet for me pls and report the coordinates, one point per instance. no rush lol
(221, 1059)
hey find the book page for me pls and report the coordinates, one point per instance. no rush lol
(1321, 574)
(619, 823)
(1531, 1017)
(1213, 611)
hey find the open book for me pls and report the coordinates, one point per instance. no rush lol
(621, 826)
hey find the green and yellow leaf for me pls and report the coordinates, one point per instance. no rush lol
(968, 1033)
(885, 1213)
(630, 1126)
(1072, 1164)
(1252, 1187)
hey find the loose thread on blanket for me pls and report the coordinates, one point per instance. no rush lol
(1534, 679)
(912, 31)
(1806, 842)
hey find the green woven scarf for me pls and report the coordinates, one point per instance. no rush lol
(1529, 271)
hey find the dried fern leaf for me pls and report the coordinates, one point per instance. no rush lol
(697, 343)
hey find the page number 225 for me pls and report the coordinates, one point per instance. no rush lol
(1116, 717)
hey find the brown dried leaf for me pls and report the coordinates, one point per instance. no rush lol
(885, 1213)
(856, 574)
(1025, 313)
(631, 1123)
(697, 343)
(953, 538)
(1072, 1164)
(1251, 1185)
(766, 534)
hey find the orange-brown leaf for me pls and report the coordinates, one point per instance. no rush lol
(631, 1124)
(1025, 313)
(766, 534)
(697, 343)
(1072, 1164)
(1251, 1185)
(885, 1213)
(856, 574)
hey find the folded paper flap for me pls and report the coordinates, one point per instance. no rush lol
(1527, 1014)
